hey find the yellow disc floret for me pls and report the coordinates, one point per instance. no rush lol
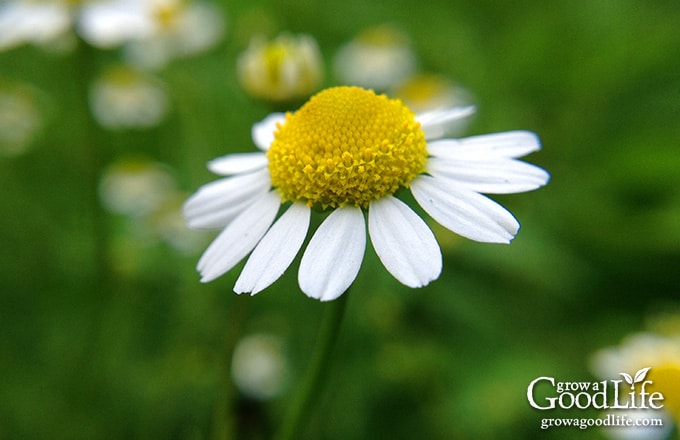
(346, 146)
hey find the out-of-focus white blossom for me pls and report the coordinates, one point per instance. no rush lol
(659, 352)
(126, 98)
(151, 32)
(135, 187)
(379, 58)
(286, 68)
(20, 118)
(179, 29)
(43, 22)
(259, 366)
(110, 23)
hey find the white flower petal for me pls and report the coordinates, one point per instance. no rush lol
(237, 163)
(263, 131)
(217, 203)
(437, 123)
(463, 211)
(275, 251)
(333, 257)
(239, 238)
(404, 243)
(500, 176)
(508, 144)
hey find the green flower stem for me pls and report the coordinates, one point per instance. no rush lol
(98, 287)
(224, 423)
(319, 365)
(94, 156)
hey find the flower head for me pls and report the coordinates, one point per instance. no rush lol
(153, 32)
(135, 187)
(286, 68)
(41, 23)
(20, 117)
(126, 98)
(259, 366)
(346, 146)
(661, 352)
(348, 151)
(111, 23)
(179, 28)
(379, 58)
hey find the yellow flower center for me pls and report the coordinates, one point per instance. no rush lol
(168, 12)
(666, 379)
(346, 145)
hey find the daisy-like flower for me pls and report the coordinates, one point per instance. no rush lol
(33, 22)
(259, 366)
(107, 24)
(152, 32)
(125, 98)
(661, 352)
(136, 187)
(286, 68)
(348, 151)
(179, 28)
(379, 58)
(21, 118)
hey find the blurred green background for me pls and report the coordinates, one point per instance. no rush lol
(107, 333)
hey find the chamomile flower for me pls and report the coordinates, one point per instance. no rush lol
(348, 151)
(43, 23)
(379, 58)
(21, 118)
(288, 67)
(124, 98)
(108, 24)
(151, 32)
(135, 187)
(179, 28)
(661, 352)
(259, 366)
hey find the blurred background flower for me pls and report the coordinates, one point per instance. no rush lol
(285, 69)
(259, 366)
(179, 28)
(108, 24)
(21, 118)
(44, 23)
(123, 98)
(659, 349)
(134, 186)
(379, 58)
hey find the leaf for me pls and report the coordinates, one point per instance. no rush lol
(640, 375)
(628, 378)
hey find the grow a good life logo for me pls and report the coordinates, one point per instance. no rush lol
(546, 393)
(598, 395)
